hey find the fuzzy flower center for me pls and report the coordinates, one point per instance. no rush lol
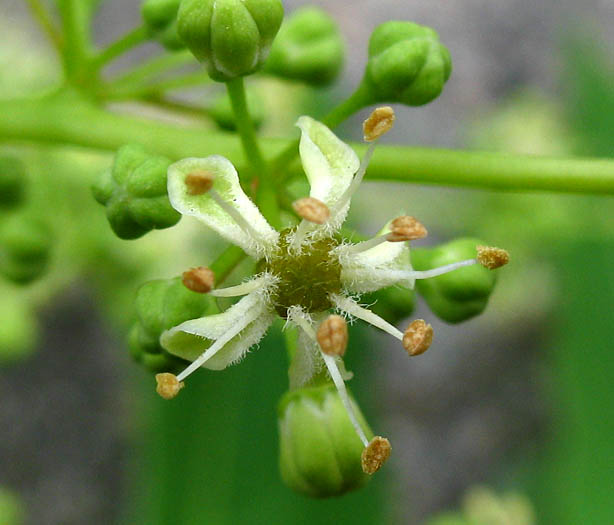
(306, 279)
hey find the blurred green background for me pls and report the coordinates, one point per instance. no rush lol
(519, 399)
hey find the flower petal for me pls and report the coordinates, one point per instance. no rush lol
(243, 324)
(259, 240)
(377, 267)
(306, 362)
(329, 163)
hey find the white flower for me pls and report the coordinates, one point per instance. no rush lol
(306, 271)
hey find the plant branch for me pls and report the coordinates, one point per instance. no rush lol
(122, 45)
(197, 78)
(43, 17)
(67, 118)
(153, 66)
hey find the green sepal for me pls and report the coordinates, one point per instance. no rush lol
(458, 295)
(319, 449)
(12, 182)
(222, 113)
(394, 303)
(25, 246)
(160, 18)
(160, 305)
(308, 48)
(407, 64)
(231, 37)
(135, 194)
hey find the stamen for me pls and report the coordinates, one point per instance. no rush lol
(299, 235)
(199, 182)
(200, 280)
(243, 288)
(406, 228)
(375, 455)
(333, 336)
(312, 210)
(418, 337)
(491, 257)
(168, 386)
(382, 119)
(303, 321)
(379, 123)
(366, 245)
(353, 308)
(400, 275)
(218, 345)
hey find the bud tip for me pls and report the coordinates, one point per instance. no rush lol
(379, 123)
(168, 385)
(375, 454)
(199, 182)
(418, 337)
(333, 336)
(491, 257)
(200, 280)
(312, 210)
(406, 228)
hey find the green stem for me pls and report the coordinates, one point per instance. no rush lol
(75, 25)
(154, 66)
(67, 118)
(358, 100)
(42, 16)
(197, 78)
(266, 197)
(122, 45)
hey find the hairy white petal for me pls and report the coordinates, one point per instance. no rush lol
(257, 240)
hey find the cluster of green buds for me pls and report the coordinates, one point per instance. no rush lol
(134, 193)
(232, 37)
(160, 17)
(25, 237)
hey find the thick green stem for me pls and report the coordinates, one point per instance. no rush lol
(124, 44)
(67, 118)
(42, 16)
(266, 197)
(75, 25)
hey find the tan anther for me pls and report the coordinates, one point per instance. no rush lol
(491, 257)
(168, 385)
(200, 280)
(199, 182)
(418, 337)
(379, 123)
(406, 228)
(312, 210)
(375, 454)
(333, 336)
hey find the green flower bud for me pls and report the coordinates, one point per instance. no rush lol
(232, 37)
(25, 245)
(11, 509)
(458, 295)
(160, 305)
(12, 182)
(393, 304)
(308, 48)
(319, 448)
(134, 193)
(160, 17)
(407, 64)
(224, 116)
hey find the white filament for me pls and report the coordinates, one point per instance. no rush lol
(351, 307)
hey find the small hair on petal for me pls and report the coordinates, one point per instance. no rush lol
(200, 280)
(332, 336)
(379, 123)
(199, 182)
(406, 228)
(491, 257)
(168, 386)
(418, 337)
(312, 210)
(375, 454)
